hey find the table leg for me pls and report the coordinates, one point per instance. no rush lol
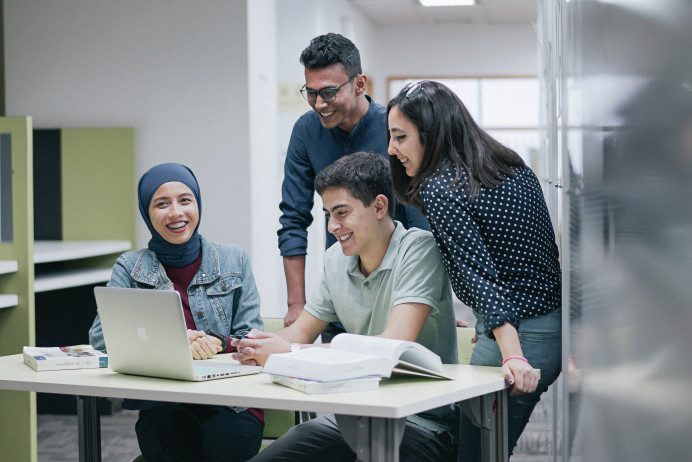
(494, 446)
(89, 429)
(373, 439)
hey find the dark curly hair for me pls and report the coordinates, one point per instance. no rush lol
(364, 175)
(329, 49)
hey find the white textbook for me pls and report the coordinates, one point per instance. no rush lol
(65, 357)
(353, 356)
(334, 386)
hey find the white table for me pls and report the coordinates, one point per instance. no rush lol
(371, 421)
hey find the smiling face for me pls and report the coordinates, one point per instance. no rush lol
(404, 142)
(343, 111)
(174, 212)
(355, 226)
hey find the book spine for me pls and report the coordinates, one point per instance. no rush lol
(51, 364)
(44, 363)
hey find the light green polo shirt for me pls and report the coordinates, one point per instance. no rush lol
(411, 271)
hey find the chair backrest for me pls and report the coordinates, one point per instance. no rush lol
(464, 343)
(276, 422)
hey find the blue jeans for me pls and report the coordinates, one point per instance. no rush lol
(185, 432)
(541, 343)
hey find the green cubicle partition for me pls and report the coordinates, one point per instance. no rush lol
(18, 416)
(92, 157)
(97, 203)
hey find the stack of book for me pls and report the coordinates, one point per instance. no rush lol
(352, 363)
(65, 357)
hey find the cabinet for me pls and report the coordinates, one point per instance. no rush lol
(71, 211)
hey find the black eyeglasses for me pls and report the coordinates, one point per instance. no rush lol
(327, 93)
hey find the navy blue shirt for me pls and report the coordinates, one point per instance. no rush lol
(313, 147)
(499, 251)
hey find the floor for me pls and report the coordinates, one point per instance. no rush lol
(57, 438)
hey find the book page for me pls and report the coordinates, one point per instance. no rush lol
(423, 358)
(327, 364)
(372, 346)
(405, 368)
(400, 353)
(330, 356)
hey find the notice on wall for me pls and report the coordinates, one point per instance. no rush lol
(290, 99)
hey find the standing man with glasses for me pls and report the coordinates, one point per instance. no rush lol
(343, 120)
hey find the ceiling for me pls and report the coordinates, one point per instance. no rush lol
(409, 12)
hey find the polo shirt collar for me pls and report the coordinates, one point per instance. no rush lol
(389, 256)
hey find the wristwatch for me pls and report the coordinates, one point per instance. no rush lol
(224, 343)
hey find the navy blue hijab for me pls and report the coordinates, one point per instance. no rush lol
(175, 255)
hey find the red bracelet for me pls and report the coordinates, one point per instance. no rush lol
(520, 358)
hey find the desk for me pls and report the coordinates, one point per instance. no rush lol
(373, 420)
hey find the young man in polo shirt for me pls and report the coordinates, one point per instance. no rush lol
(378, 279)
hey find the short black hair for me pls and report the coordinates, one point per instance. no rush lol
(329, 49)
(364, 175)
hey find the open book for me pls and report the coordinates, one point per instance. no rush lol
(355, 356)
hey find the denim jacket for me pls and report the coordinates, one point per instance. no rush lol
(223, 297)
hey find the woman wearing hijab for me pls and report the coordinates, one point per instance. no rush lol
(219, 298)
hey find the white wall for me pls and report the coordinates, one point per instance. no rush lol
(298, 22)
(265, 171)
(197, 81)
(174, 70)
(452, 50)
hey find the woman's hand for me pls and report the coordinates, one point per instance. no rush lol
(515, 368)
(521, 375)
(258, 346)
(201, 345)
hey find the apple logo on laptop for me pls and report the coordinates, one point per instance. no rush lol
(142, 333)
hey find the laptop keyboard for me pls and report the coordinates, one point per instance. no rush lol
(209, 371)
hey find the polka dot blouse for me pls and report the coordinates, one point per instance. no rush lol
(500, 250)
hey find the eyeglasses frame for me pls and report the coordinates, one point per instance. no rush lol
(304, 91)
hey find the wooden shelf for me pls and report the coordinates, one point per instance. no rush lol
(55, 251)
(8, 300)
(8, 266)
(71, 278)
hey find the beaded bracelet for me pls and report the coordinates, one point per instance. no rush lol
(520, 358)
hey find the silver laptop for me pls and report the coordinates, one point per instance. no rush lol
(145, 334)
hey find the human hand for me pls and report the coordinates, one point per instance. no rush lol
(462, 323)
(292, 314)
(257, 346)
(521, 375)
(202, 346)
